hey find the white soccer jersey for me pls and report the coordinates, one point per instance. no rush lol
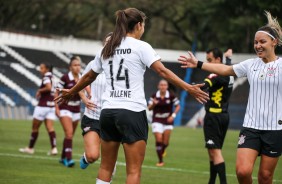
(265, 96)
(98, 87)
(125, 74)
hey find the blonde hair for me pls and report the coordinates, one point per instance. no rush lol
(272, 27)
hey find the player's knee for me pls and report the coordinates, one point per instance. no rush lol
(92, 157)
(243, 172)
(265, 176)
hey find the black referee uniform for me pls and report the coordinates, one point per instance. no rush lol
(216, 120)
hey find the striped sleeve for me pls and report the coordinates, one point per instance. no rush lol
(46, 80)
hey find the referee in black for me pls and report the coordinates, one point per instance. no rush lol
(216, 120)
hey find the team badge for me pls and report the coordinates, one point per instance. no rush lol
(86, 129)
(241, 140)
(167, 101)
(280, 122)
(271, 71)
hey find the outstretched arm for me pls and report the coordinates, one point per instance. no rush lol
(66, 94)
(191, 62)
(194, 90)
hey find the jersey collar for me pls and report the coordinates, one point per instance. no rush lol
(158, 94)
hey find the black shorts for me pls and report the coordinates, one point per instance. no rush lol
(88, 124)
(266, 142)
(121, 125)
(215, 128)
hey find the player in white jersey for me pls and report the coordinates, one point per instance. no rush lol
(123, 118)
(90, 121)
(262, 128)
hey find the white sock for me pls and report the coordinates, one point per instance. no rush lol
(84, 155)
(98, 181)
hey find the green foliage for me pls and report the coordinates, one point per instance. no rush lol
(171, 24)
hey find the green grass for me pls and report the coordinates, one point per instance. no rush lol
(186, 160)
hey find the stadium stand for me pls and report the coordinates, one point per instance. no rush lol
(20, 56)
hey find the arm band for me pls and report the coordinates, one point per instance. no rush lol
(200, 64)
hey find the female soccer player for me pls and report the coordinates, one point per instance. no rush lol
(262, 128)
(44, 111)
(162, 103)
(123, 118)
(90, 121)
(69, 113)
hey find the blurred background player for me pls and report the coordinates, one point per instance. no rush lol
(165, 106)
(261, 133)
(90, 124)
(69, 113)
(216, 120)
(123, 117)
(44, 111)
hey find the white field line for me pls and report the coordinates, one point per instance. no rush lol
(120, 164)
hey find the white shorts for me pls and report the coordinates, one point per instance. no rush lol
(75, 116)
(42, 113)
(160, 128)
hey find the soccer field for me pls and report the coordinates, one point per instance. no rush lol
(186, 160)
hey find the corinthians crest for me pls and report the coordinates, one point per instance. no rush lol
(241, 139)
(270, 71)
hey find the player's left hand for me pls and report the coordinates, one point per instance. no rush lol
(64, 96)
(170, 119)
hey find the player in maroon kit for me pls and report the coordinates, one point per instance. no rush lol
(163, 102)
(69, 113)
(44, 111)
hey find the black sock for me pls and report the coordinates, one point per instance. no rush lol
(212, 173)
(220, 168)
(159, 149)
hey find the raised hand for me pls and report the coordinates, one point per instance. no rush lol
(188, 61)
(197, 93)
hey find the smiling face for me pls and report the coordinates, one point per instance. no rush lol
(264, 45)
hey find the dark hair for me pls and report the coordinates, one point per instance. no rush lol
(105, 37)
(74, 58)
(273, 28)
(125, 22)
(48, 66)
(217, 53)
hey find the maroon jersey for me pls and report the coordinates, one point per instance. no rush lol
(67, 82)
(47, 98)
(164, 107)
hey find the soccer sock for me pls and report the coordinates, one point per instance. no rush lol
(220, 168)
(212, 173)
(33, 139)
(52, 136)
(68, 148)
(63, 155)
(159, 149)
(98, 181)
(85, 159)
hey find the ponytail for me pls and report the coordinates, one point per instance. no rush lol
(273, 28)
(125, 22)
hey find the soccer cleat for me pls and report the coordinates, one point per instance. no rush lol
(160, 164)
(26, 150)
(54, 151)
(67, 163)
(83, 163)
